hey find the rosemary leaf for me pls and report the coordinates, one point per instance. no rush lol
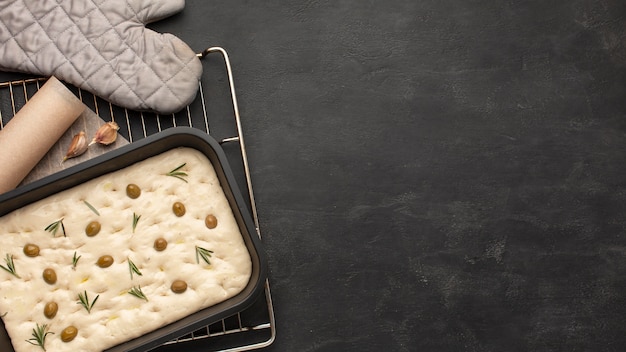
(136, 291)
(91, 207)
(54, 227)
(75, 260)
(133, 269)
(10, 266)
(83, 300)
(177, 173)
(135, 221)
(39, 336)
(203, 253)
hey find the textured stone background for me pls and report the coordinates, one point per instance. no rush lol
(434, 175)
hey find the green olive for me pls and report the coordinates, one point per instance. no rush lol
(31, 250)
(49, 276)
(92, 229)
(133, 191)
(179, 286)
(105, 261)
(179, 209)
(50, 310)
(69, 333)
(160, 244)
(210, 221)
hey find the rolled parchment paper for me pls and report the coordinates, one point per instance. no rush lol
(34, 129)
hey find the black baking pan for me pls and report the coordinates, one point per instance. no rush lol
(126, 156)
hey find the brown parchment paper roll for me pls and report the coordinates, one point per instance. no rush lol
(34, 129)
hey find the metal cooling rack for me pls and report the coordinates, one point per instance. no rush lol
(212, 111)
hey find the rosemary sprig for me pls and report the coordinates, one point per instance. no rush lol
(39, 336)
(135, 221)
(91, 207)
(10, 266)
(54, 227)
(203, 253)
(136, 291)
(133, 269)
(83, 300)
(75, 260)
(177, 173)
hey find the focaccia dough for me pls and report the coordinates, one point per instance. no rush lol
(118, 316)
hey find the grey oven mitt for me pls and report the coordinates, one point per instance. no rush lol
(102, 46)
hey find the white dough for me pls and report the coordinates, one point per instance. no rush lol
(118, 316)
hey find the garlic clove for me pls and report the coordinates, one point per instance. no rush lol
(77, 147)
(106, 134)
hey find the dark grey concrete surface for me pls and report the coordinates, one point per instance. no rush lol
(434, 175)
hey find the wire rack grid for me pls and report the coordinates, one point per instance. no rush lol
(215, 111)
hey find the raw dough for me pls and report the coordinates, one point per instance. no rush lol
(118, 316)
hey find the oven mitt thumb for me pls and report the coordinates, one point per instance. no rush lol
(102, 46)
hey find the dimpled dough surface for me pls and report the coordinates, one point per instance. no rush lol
(118, 316)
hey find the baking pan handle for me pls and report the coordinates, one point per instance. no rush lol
(239, 137)
(231, 84)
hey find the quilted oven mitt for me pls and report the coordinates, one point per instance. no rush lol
(102, 46)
